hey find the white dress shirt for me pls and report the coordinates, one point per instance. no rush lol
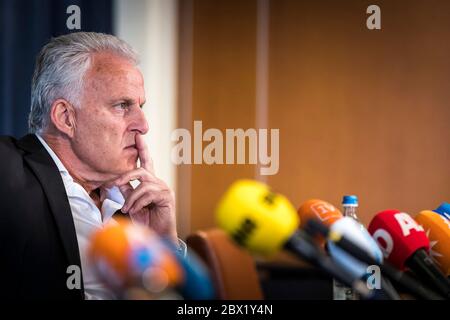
(87, 219)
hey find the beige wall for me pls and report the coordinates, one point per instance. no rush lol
(151, 27)
(359, 111)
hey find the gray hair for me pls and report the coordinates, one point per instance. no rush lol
(60, 69)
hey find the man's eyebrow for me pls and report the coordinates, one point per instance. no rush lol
(127, 100)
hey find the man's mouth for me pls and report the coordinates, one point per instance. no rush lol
(131, 146)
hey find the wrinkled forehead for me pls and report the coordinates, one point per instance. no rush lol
(113, 74)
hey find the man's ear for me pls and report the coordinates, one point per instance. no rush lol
(62, 114)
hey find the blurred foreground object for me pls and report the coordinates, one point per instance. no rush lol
(136, 264)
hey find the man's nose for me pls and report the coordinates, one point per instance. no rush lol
(139, 122)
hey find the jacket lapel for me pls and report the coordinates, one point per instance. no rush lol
(48, 174)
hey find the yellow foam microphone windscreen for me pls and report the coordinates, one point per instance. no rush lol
(255, 217)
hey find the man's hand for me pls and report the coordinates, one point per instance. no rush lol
(152, 202)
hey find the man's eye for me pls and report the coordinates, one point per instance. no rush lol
(122, 105)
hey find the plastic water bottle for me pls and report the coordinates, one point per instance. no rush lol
(350, 205)
(341, 291)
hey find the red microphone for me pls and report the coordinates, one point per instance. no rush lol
(405, 244)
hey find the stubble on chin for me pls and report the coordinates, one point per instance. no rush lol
(131, 165)
(123, 167)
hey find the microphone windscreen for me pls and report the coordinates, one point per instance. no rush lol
(318, 209)
(357, 234)
(197, 283)
(398, 235)
(444, 210)
(437, 229)
(125, 254)
(255, 217)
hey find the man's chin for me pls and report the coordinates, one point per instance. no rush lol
(132, 165)
(124, 168)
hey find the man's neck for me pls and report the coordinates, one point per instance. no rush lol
(97, 198)
(61, 147)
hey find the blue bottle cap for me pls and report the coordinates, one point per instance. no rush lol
(444, 210)
(350, 200)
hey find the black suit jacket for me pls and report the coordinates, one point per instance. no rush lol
(37, 233)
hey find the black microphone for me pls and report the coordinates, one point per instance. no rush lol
(264, 223)
(314, 226)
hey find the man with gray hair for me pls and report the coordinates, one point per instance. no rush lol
(72, 173)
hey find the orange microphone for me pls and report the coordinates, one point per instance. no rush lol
(324, 211)
(437, 228)
(130, 256)
(320, 210)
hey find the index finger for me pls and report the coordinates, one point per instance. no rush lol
(144, 153)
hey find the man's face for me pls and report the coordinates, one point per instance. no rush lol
(110, 116)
